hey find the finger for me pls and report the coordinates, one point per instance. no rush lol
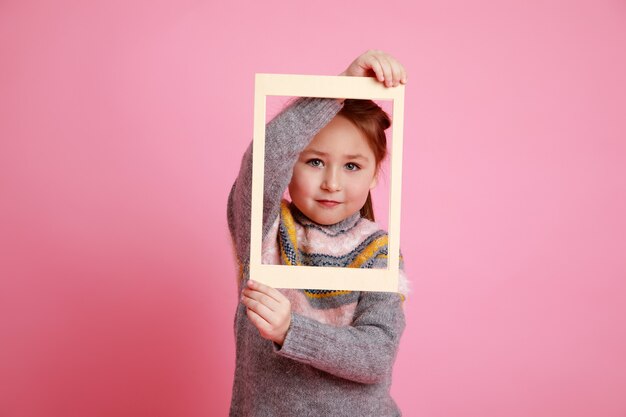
(262, 298)
(369, 62)
(386, 67)
(258, 308)
(266, 289)
(396, 69)
(402, 73)
(258, 321)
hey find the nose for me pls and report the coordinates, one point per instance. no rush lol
(331, 181)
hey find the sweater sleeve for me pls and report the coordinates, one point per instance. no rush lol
(363, 352)
(285, 137)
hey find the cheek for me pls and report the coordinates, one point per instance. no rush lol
(361, 186)
(299, 183)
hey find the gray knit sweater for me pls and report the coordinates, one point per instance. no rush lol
(340, 348)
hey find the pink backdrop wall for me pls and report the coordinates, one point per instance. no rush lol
(121, 127)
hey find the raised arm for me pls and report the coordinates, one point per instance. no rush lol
(285, 137)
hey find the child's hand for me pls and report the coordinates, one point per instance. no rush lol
(268, 310)
(379, 64)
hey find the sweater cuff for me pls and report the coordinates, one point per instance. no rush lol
(302, 341)
(314, 108)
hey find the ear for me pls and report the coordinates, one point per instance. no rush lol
(374, 181)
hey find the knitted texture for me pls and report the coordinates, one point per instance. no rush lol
(338, 353)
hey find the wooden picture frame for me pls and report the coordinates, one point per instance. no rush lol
(314, 277)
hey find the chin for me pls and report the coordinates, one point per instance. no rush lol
(323, 220)
(327, 221)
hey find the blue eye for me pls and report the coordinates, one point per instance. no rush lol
(315, 162)
(351, 166)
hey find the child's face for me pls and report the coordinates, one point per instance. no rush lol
(334, 174)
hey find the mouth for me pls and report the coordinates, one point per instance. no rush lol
(328, 203)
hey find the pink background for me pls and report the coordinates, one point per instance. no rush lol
(121, 128)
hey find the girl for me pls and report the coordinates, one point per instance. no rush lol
(312, 352)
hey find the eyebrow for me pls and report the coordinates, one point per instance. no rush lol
(318, 153)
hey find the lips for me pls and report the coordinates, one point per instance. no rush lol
(328, 203)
